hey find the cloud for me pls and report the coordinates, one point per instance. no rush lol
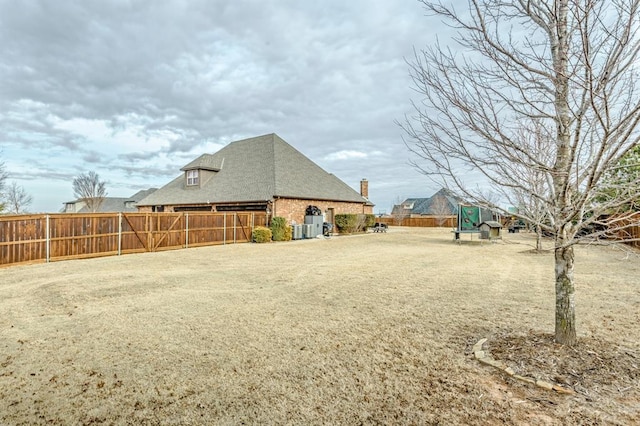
(345, 155)
(135, 90)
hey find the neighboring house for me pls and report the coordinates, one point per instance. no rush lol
(263, 173)
(109, 204)
(442, 203)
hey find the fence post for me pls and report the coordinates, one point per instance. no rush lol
(235, 220)
(48, 239)
(186, 232)
(224, 229)
(119, 233)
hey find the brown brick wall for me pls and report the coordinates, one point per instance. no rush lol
(294, 209)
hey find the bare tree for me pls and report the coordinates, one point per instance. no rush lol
(400, 211)
(440, 208)
(571, 65)
(3, 180)
(621, 179)
(529, 196)
(17, 198)
(88, 188)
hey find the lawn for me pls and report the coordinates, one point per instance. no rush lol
(366, 329)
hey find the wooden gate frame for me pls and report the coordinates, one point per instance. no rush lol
(166, 233)
(239, 221)
(145, 245)
(151, 230)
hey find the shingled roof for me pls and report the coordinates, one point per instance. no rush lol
(428, 206)
(114, 204)
(255, 169)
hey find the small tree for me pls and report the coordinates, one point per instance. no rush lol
(88, 188)
(17, 198)
(532, 191)
(399, 212)
(440, 209)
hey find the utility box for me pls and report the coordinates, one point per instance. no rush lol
(307, 231)
(316, 222)
(296, 232)
(490, 230)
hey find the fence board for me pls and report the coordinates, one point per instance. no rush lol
(39, 238)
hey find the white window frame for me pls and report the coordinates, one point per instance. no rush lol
(193, 177)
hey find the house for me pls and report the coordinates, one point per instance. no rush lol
(263, 173)
(109, 204)
(442, 203)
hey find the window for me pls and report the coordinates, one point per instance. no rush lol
(192, 178)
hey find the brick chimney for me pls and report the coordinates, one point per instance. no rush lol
(364, 188)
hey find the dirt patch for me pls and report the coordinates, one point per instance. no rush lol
(367, 329)
(599, 371)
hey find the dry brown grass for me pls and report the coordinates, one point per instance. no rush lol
(365, 329)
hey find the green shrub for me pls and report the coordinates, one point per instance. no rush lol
(370, 220)
(261, 234)
(348, 223)
(345, 222)
(280, 230)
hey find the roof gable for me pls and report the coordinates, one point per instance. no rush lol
(205, 162)
(442, 202)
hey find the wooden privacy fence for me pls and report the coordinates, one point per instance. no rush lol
(51, 237)
(424, 222)
(628, 229)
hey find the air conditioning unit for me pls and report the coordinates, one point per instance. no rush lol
(308, 231)
(316, 222)
(297, 232)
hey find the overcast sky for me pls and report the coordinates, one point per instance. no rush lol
(134, 90)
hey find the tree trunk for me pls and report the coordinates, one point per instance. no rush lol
(565, 292)
(538, 238)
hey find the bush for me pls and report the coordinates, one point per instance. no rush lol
(345, 222)
(261, 234)
(280, 230)
(370, 220)
(348, 223)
